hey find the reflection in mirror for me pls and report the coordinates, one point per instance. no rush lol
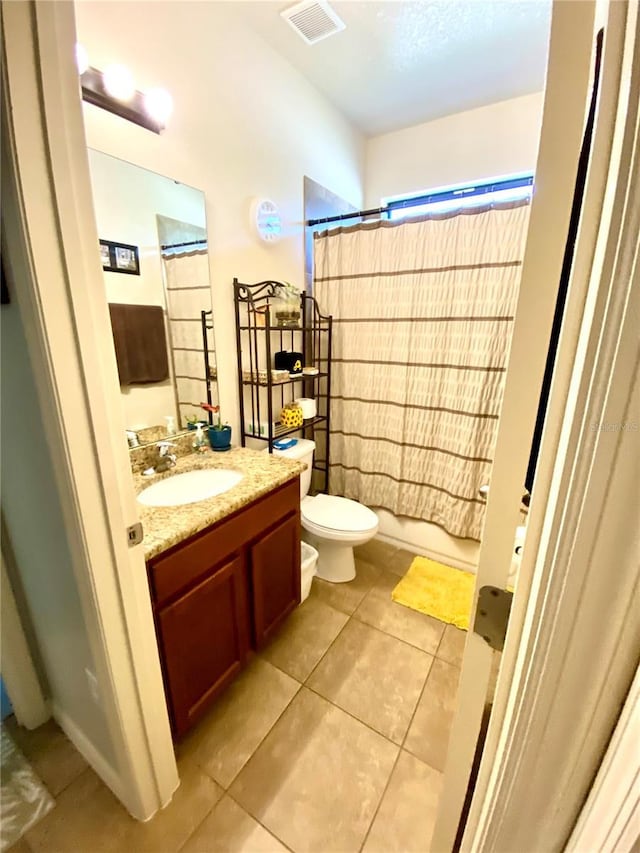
(161, 318)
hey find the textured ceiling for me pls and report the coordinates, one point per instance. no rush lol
(402, 62)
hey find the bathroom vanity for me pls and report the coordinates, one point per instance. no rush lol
(224, 573)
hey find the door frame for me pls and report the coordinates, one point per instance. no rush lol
(58, 283)
(610, 819)
(563, 119)
(576, 651)
(572, 640)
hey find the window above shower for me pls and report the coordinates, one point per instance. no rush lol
(443, 199)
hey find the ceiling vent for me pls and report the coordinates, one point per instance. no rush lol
(313, 20)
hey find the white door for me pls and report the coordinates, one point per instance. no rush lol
(570, 71)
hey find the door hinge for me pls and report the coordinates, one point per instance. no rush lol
(135, 534)
(492, 615)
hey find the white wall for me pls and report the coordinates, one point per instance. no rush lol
(499, 139)
(126, 201)
(245, 124)
(33, 516)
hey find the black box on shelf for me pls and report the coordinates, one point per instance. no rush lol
(291, 361)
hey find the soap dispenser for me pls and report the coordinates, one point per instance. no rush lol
(171, 424)
(199, 442)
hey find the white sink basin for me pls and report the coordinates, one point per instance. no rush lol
(190, 487)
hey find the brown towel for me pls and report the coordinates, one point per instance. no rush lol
(140, 342)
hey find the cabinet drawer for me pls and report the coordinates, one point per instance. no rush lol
(192, 560)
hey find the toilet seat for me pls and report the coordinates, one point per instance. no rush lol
(338, 516)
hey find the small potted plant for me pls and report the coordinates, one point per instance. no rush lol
(194, 420)
(219, 433)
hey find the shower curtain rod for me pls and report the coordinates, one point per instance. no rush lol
(355, 215)
(477, 190)
(178, 245)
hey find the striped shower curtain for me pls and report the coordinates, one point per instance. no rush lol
(423, 312)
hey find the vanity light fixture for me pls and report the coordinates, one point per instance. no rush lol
(118, 82)
(82, 58)
(159, 105)
(114, 91)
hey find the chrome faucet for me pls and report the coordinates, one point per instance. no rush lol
(166, 460)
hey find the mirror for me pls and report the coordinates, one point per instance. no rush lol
(153, 246)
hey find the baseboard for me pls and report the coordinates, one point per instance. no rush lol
(88, 751)
(447, 559)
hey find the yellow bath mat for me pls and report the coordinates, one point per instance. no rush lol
(438, 591)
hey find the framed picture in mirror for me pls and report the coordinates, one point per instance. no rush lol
(119, 257)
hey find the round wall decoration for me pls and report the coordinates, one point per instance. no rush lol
(265, 219)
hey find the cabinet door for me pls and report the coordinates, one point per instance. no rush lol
(204, 637)
(275, 576)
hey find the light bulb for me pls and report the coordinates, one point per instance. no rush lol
(118, 81)
(82, 58)
(158, 104)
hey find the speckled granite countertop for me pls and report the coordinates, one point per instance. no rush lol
(166, 526)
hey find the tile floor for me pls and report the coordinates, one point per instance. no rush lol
(333, 739)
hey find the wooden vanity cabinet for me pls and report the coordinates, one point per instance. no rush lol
(220, 594)
(275, 593)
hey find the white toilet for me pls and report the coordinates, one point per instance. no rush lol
(333, 525)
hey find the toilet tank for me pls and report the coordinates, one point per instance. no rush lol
(303, 450)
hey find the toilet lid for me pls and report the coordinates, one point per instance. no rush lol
(337, 513)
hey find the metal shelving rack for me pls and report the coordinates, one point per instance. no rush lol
(257, 341)
(207, 326)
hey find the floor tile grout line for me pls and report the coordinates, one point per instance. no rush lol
(334, 705)
(333, 606)
(410, 752)
(300, 685)
(251, 814)
(259, 822)
(304, 683)
(84, 770)
(432, 655)
(199, 824)
(319, 597)
(395, 637)
(401, 748)
(397, 746)
(352, 715)
(75, 778)
(404, 742)
(354, 615)
(51, 744)
(327, 650)
(415, 710)
(382, 796)
(244, 809)
(342, 710)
